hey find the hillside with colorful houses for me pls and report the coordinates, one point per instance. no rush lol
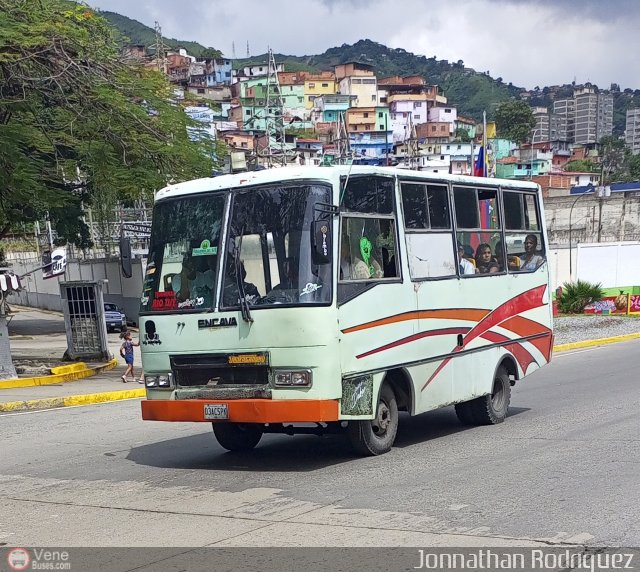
(350, 114)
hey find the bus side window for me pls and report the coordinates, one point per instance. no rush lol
(522, 231)
(367, 249)
(478, 231)
(427, 222)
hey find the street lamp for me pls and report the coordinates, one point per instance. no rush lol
(533, 136)
(589, 192)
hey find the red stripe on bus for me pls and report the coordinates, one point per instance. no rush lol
(525, 359)
(545, 345)
(521, 303)
(413, 338)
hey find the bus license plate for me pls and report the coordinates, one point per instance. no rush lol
(216, 411)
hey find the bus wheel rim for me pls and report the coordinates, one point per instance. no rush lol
(381, 423)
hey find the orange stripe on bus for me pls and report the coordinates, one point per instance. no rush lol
(243, 410)
(469, 314)
(524, 327)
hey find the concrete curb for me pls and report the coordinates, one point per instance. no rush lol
(71, 400)
(592, 343)
(62, 374)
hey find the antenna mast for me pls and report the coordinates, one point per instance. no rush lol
(343, 147)
(276, 151)
(412, 144)
(160, 49)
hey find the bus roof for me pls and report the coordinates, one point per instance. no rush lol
(332, 173)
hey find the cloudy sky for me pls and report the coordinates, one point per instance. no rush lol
(527, 42)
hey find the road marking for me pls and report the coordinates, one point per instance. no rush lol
(574, 352)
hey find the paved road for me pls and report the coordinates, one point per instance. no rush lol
(563, 468)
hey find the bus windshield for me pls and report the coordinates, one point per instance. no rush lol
(269, 246)
(183, 258)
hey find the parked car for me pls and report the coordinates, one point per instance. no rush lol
(115, 318)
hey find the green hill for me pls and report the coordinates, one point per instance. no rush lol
(470, 91)
(134, 32)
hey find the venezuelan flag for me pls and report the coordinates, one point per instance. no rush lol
(479, 166)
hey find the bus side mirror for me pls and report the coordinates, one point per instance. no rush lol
(125, 257)
(321, 242)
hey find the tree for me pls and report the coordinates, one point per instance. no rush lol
(210, 53)
(581, 166)
(634, 168)
(78, 123)
(462, 135)
(613, 159)
(514, 121)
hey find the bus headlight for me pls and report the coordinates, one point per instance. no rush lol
(163, 380)
(292, 377)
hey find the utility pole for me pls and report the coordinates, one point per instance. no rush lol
(160, 49)
(411, 144)
(343, 147)
(276, 151)
(386, 141)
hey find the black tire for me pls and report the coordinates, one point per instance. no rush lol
(488, 409)
(376, 436)
(465, 414)
(237, 436)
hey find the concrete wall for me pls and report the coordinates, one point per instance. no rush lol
(45, 294)
(618, 217)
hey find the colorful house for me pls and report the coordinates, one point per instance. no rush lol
(317, 85)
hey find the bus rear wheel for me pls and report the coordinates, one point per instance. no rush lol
(237, 436)
(376, 436)
(488, 409)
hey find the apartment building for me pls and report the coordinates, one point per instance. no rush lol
(588, 115)
(550, 126)
(632, 131)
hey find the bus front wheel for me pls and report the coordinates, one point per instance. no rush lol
(488, 409)
(376, 436)
(237, 436)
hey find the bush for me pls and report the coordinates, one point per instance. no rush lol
(576, 295)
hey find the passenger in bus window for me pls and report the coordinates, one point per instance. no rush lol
(513, 262)
(485, 262)
(204, 280)
(353, 267)
(466, 267)
(182, 283)
(531, 261)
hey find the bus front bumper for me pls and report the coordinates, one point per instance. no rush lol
(243, 410)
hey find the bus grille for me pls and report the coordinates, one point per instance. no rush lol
(213, 370)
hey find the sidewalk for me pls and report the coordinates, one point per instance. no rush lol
(39, 335)
(97, 389)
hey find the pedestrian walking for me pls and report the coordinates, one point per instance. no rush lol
(126, 351)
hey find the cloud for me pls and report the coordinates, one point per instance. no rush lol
(526, 42)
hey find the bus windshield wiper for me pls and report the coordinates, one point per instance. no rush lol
(244, 305)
